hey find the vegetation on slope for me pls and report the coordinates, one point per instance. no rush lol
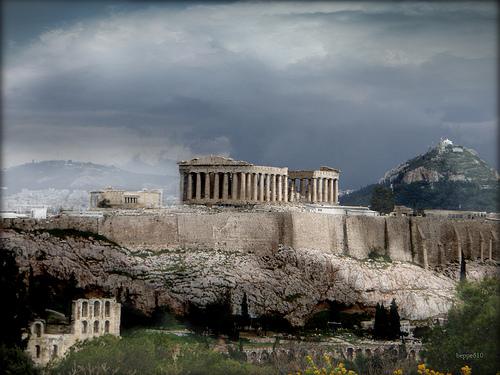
(471, 334)
(149, 352)
(447, 195)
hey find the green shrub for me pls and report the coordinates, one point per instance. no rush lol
(150, 352)
(14, 361)
(472, 332)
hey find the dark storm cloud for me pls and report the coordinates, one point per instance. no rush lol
(355, 86)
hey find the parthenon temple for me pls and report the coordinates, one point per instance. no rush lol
(221, 180)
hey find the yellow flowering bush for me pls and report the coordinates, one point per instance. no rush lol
(329, 368)
(421, 369)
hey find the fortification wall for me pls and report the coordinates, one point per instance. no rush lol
(425, 241)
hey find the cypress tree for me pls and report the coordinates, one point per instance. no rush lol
(245, 317)
(377, 327)
(394, 321)
(381, 326)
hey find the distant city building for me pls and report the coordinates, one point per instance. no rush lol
(342, 210)
(51, 339)
(114, 198)
(31, 211)
(455, 214)
(221, 180)
(402, 211)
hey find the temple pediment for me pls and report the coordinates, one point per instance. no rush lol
(328, 169)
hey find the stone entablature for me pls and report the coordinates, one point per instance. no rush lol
(221, 180)
(90, 318)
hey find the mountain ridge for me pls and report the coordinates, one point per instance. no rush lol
(77, 175)
(447, 176)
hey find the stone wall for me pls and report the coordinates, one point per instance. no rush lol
(425, 241)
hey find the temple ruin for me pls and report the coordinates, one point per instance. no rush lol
(51, 338)
(221, 180)
(121, 199)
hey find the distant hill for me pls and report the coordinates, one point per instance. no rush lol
(446, 177)
(73, 175)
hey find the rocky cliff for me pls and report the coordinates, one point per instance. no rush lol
(281, 273)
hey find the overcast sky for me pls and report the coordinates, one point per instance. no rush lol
(361, 87)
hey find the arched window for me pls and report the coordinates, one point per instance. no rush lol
(107, 308)
(54, 351)
(37, 349)
(97, 307)
(38, 329)
(106, 326)
(85, 307)
(350, 353)
(84, 326)
(96, 326)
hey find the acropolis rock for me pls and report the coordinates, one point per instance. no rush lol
(286, 263)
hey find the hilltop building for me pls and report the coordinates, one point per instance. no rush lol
(51, 338)
(221, 180)
(113, 198)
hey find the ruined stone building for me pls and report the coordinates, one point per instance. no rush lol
(220, 180)
(51, 338)
(113, 198)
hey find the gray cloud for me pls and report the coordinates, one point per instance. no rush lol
(355, 86)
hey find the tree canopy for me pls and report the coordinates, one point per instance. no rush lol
(382, 199)
(471, 334)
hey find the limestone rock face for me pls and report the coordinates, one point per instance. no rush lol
(288, 282)
(421, 174)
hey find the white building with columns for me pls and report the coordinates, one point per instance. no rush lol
(221, 180)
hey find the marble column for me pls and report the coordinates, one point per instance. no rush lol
(320, 189)
(292, 190)
(309, 190)
(198, 186)
(332, 191)
(285, 188)
(190, 187)
(336, 191)
(261, 188)
(181, 187)
(325, 189)
(302, 189)
(207, 186)
(254, 186)
(279, 188)
(268, 187)
(273, 187)
(225, 186)
(249, 187)
(243, 185)
(234, 186)
(314, 190)
(216, 186)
